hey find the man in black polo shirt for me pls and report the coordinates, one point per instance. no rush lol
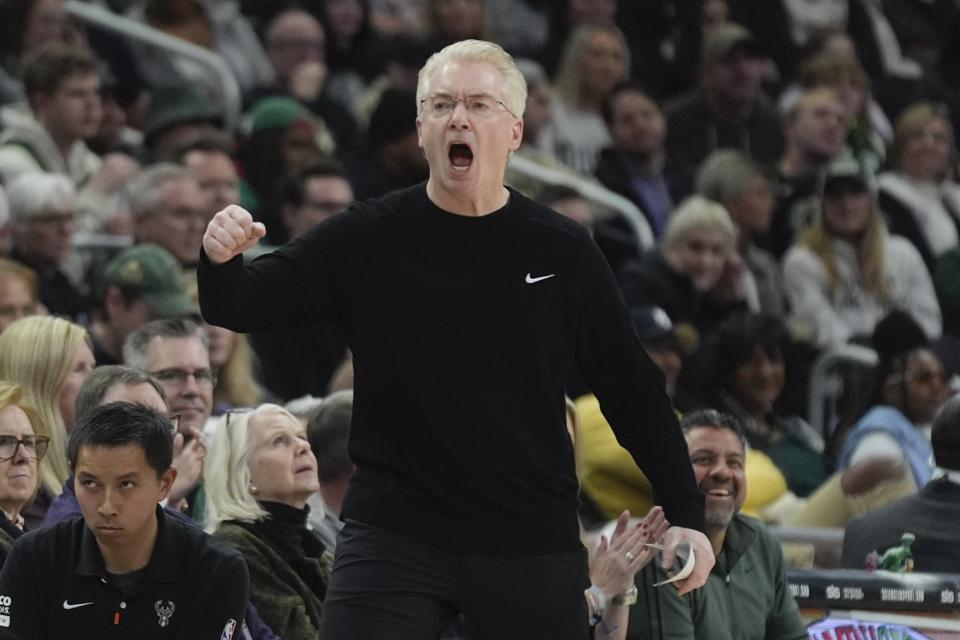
(126, 569)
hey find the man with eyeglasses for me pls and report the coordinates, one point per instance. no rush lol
(126, 569)
(465, 304)
(176, 352)
(42, 208)
(169, 209)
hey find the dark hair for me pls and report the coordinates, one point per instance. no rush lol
(116, 424)
(895, 338)
(713, 419)
(13, 21)
(294, 189)
(98, 383)
(47, 68)
(328, 432)
(733, 344)
(945, 437)
(627, 86)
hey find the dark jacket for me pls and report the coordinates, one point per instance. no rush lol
(932, 515)
(282, 598)
(696, 131)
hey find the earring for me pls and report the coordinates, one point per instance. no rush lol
(253, 489)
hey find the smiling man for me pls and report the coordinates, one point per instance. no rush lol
(464, 304)
(126, 569)
(747, 596)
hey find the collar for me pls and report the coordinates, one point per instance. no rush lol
(165, 562)
(740, 535)
(18, 522)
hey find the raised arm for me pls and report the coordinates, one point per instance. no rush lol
(294, 286)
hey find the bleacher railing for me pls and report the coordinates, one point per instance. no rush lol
(593, 192)
(221, 75)
(827, 383)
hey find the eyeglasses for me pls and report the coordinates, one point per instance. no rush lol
(178, 377)
(479, 106)
(33, 446)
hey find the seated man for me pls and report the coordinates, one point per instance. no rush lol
(746, 596)
(328, 432)
(126, 568)
(932, 514)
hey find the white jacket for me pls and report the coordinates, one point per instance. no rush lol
(851, 311)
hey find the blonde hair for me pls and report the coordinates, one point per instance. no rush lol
(12, 268)
(480, 51)
(870, 254)
(226, 470)
(829, 70)
(236, 384)
(568, 80)
(910, 123)
(38, 353)
(697, 212)
(11, 395)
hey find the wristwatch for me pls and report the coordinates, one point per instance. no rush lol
(627, 598)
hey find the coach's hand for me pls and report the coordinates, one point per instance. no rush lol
(701, 550)
(231, 232)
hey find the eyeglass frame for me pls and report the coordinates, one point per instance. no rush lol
(456, 101)
(183, 374)
(21, 442)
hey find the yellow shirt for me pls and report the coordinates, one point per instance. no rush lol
(613, 481)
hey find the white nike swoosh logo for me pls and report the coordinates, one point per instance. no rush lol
(531, 279)
(68, 606)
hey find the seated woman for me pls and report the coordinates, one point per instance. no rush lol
(919, 196)
(49, 358)
(846, 272)
(19, 292)
(731, 178)
(908, 387)
(745, 374)
(694, 277)
(258, 475)
(20, 452)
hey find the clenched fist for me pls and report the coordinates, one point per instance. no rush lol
(231, 232)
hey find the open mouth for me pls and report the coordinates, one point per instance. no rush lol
(461, 156)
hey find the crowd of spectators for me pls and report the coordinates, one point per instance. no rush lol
(797, 168)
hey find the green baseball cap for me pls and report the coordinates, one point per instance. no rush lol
(153, 273)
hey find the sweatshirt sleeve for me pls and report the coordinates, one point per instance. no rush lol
(631, 392)
(299, 284)
(918, 296)
(805, 282)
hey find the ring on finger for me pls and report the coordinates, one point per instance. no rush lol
(631, 556)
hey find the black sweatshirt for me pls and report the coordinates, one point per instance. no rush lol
(462, 331)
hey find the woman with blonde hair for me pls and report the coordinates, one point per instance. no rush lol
(50, 358)
(846, 272)
(233, 358)
(258, 476)
(919, 196)
(20, 453)
(19, 292)
(595, 60)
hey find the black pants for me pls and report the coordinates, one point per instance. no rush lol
(388, 586)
